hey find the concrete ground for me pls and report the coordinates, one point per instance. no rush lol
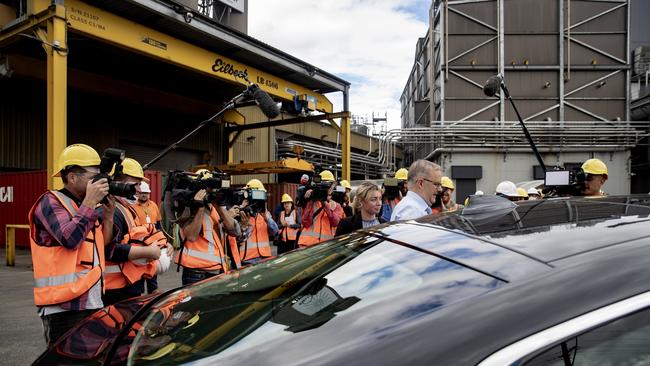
(21, 330)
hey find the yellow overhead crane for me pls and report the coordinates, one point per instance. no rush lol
(50, 21)
(286, 165)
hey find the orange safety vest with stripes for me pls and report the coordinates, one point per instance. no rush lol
(320, 230)
(61, 274)
(207, 251)
(257, 245)
(120, 275)
(288, 233)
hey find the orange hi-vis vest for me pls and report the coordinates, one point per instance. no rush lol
(119, 275)
(257, 245)
(206, 252)
(320, 229)
(287, 233)
(146, 215)
(61, 274)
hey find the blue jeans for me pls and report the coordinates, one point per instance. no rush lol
(191, 275)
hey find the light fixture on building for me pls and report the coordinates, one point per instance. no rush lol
(250, 139)
(5, 70)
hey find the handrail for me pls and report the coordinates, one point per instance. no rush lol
(10, 242)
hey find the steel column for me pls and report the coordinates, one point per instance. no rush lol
(345, 136)
(57, 80)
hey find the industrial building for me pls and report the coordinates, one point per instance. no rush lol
(141, 74)
(567, 65)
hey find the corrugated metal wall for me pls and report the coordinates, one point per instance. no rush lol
(22, 125)
(26, 187)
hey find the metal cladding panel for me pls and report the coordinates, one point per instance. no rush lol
(25, 189)
(22, 125)
(275, 192)
(155, 183)
(532, 48)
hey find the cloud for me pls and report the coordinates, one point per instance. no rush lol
(370, 43)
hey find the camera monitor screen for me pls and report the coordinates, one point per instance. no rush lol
(258, 195)
(225, 183)
(557, 178)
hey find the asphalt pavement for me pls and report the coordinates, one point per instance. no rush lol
(21, 330)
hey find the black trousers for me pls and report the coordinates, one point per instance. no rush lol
(56, 325)
(285, 246)
(191, 275)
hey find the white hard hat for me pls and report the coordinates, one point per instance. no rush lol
(507, 188)
(479, 193)
(533, 191)
(144, 187)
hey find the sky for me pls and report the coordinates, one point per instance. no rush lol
(369, 43)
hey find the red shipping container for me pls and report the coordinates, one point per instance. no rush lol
(18, 192)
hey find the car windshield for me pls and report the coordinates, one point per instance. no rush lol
(299, 292)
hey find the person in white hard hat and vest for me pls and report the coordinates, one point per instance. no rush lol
(147, 213)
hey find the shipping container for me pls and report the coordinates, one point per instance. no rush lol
(18, 192)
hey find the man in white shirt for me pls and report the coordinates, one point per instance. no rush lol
(424, 184)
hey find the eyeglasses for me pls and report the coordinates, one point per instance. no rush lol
(438, 185)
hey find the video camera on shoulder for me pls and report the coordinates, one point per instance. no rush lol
(565, 182)
(392, 187)
(338, 195)
(182, 186)
(320, 189)
(256, 200)
(112, 161)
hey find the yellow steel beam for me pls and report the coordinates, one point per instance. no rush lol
(57, 81)
(345, 147)
(288, 165)
(10, 242)
(33, 19)
(119, 31)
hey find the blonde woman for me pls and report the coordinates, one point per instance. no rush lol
(366, 206)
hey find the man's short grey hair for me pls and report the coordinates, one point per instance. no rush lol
(422, 169)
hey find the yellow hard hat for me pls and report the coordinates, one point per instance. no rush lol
(522, 192)
(346, 184)
(132, 168)
(402, 174)
(326, 176)
(255, 184)
(594, 166)
(286, 198)
(447, 183)
(202, 174)
(77, 154)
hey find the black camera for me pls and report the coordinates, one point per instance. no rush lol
(320, 189)
(113, 158)
(338, 195)
(565, 182)
(182, 186)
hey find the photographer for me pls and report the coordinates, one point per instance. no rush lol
(202, 253)
(392, 195)
(289, 225)
(258, 227)
(140, 250)
(347, 205)
(321, 214)
(595, 177)
(66, 238)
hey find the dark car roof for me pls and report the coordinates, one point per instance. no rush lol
(446, 289)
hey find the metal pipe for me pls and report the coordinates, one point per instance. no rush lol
(568, 42)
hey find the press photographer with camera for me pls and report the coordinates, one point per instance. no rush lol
(346, 204)
(67, 243)
(203, 254)
(139, 250)
(394, 190)
(321, 214)
(258, 227)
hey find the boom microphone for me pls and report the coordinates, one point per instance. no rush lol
(492, 85)
(264, 101)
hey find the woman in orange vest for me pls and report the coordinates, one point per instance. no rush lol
(290, 224)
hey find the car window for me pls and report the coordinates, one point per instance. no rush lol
(301, 292)
(623, 342)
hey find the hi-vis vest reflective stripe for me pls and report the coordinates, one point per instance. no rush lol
(288, 233)
(319, 231)
(258, 244)
(61, 274)
(119, 275)
(206, 253)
